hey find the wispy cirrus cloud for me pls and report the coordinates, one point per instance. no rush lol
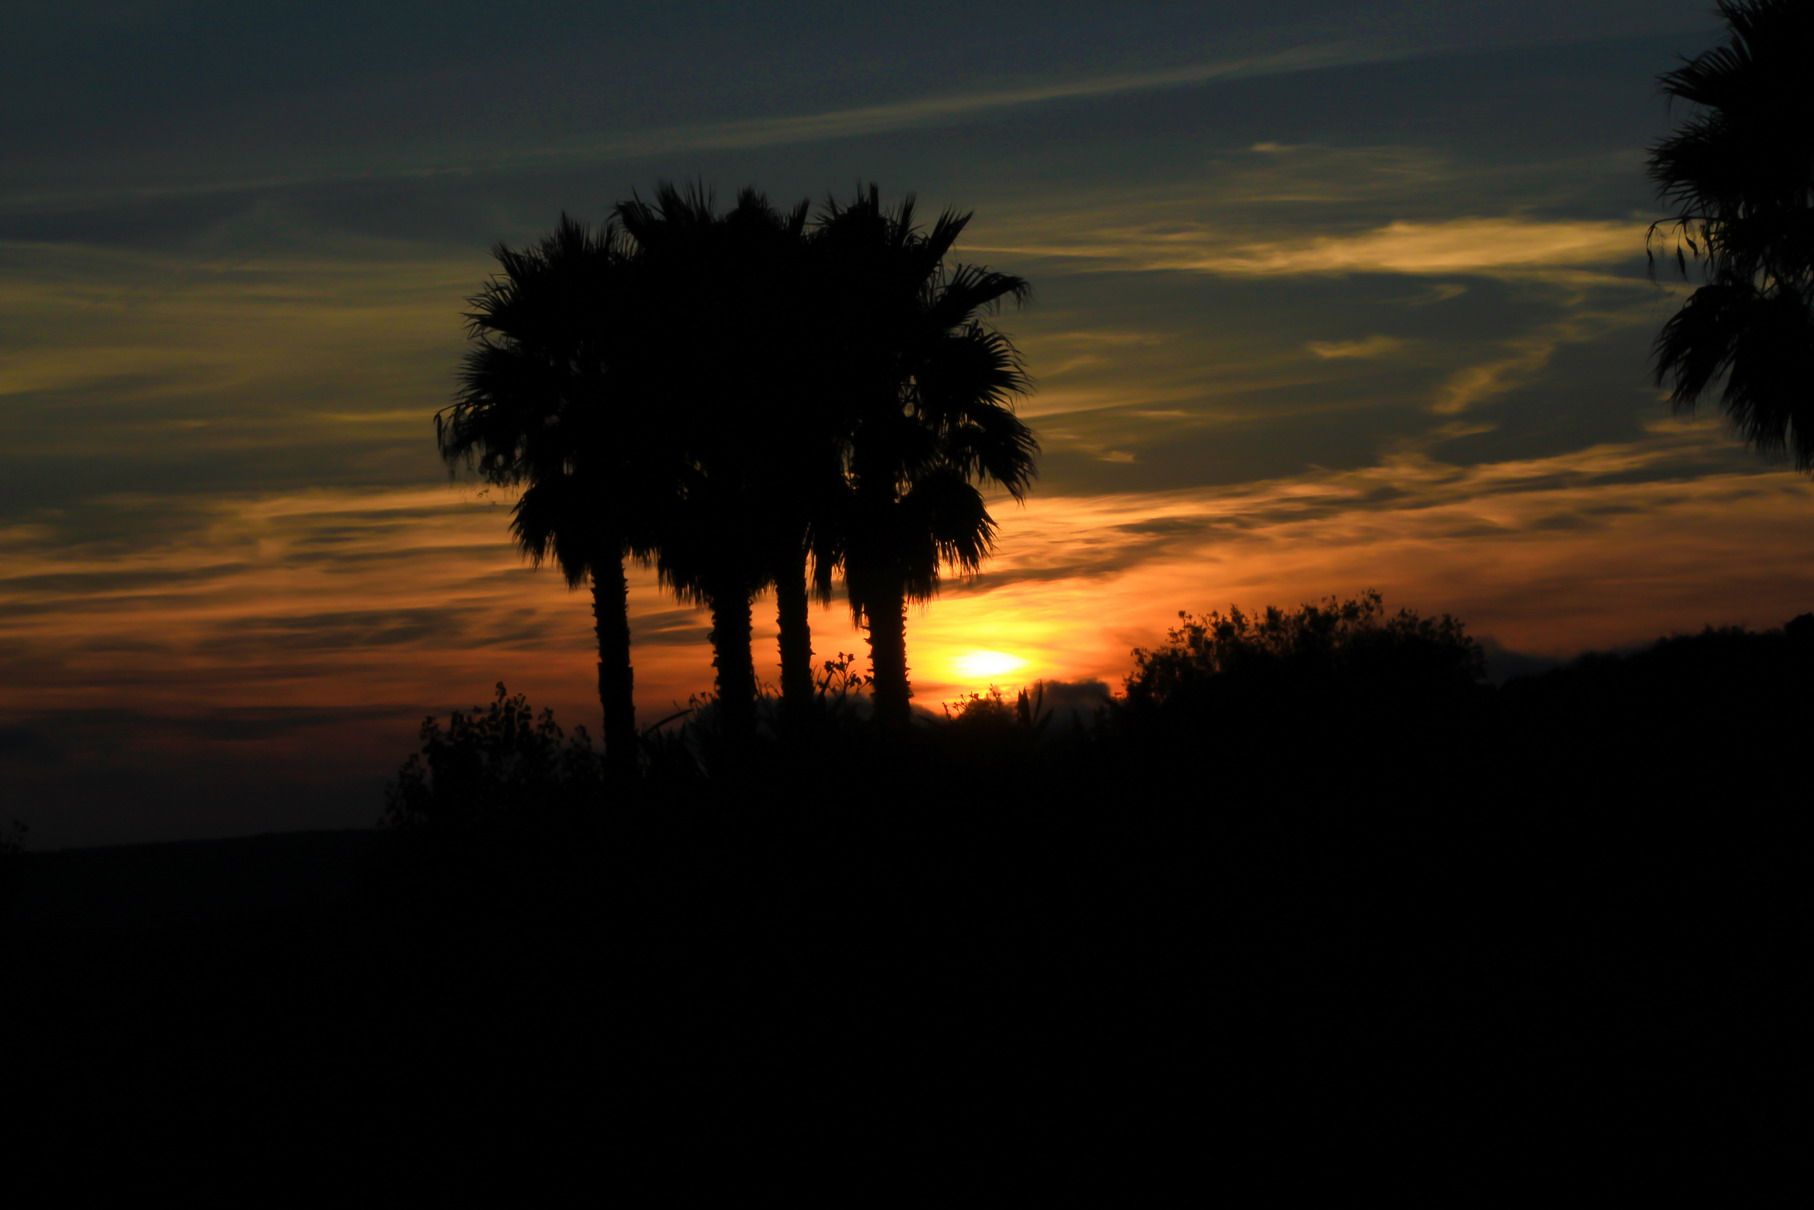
(957, 107)
(251, 355)
(1485, 246)
(755, 133)
(1366, 348)
(1520, 360)
(1508, 246)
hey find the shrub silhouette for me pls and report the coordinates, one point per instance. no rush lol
(992, 714)
(498, 763)
(981, 710)
(1711, 717)
(1336, 653)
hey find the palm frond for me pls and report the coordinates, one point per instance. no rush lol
(1740, 173)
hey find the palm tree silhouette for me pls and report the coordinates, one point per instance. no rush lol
(929, 391)
(549, 400)
(742, 403)
(788, 430)
(1740, 173)
(729, 289)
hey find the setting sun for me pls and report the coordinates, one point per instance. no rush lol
(985, 665)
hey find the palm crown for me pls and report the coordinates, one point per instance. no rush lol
(930, 390)
(1740, 174)
(548, 401)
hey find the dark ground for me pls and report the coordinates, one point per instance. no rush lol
(1570, 917)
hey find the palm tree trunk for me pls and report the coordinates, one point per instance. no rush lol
(796, 641)
(886, 613)
(616, 680)
(736, 670)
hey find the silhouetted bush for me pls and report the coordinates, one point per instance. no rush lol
(497, 763)
(983, 711)
(1718, 717)
(1339, 654)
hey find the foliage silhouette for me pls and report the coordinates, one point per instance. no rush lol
(1740, 173)
(500, 764)
(1316, 656)
(981, 710)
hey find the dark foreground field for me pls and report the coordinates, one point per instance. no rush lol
(1566, 917)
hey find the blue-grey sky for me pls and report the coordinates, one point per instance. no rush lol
(1324, 300)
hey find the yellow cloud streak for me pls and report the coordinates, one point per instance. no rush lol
(365, 319)
(1491, 246)
(1367, 348)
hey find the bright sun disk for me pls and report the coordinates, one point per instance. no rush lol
(982, 665)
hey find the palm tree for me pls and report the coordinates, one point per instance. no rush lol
(727, 293)
(789, 445)
(1740, 175)
(549, 401)
(930, 390)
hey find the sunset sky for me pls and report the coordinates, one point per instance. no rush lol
(1322, 302)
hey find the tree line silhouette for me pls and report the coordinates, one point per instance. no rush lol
(1309, 880)
(747, 399)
